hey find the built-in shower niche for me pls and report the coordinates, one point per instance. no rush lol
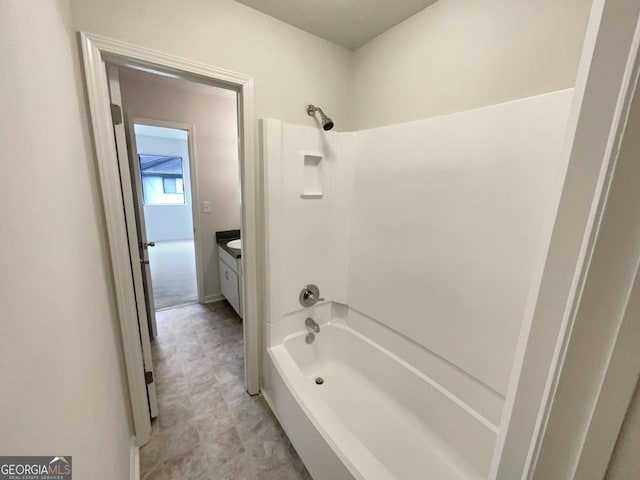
(313, 186)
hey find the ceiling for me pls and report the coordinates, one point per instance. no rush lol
(350, 23)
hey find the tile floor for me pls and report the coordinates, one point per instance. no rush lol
(208, 427)
(173, 273)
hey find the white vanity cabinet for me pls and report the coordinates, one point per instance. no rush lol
(230, 279)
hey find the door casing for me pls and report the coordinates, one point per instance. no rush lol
(98, 50)
(604, 86)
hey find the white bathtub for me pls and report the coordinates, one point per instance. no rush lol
(375, 416)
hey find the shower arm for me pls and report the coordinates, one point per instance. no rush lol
(327, 123)
(312, 109)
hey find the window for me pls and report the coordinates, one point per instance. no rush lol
(169, 185)
(172, 185)
(162, 179)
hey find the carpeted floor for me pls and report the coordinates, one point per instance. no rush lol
(173, 273)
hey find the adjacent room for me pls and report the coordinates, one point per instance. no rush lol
(163, 156)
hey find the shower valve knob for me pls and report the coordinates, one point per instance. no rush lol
(310, 295)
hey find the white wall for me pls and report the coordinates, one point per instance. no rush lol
(63, 385)
(461, 54)
(453, 56)
(213, 113)
(168, 222)
(291, 68)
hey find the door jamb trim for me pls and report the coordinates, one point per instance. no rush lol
(96, 50)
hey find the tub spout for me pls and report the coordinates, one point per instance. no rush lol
(312, 325)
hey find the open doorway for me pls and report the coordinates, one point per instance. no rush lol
(195, 361)
(109, 130)
(180, 201)
(162, 178)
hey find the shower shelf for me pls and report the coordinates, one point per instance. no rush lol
(313, 186)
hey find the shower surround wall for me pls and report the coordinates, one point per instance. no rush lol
(424, 240)
(447, 216)
(307, 238)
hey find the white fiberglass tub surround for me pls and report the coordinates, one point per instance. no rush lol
(416, 343)
(375, 416)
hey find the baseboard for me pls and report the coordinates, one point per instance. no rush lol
(134, 460)
(216, 297)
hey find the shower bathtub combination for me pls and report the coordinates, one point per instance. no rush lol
(402, 372)
(354, 410)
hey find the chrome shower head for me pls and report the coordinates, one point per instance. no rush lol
(327, 123)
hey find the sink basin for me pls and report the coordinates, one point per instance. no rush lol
(235, 244)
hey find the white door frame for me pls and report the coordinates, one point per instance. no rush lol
(602, 97)
(193, 179)
(597, 363)
(96, 51)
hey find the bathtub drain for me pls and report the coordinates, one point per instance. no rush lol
(319, 380)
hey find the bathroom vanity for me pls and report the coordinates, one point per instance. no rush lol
(230, 267)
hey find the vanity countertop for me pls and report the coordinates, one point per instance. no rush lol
(224, 237)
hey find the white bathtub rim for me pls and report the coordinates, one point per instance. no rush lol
(456, 400)
(360, 462)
